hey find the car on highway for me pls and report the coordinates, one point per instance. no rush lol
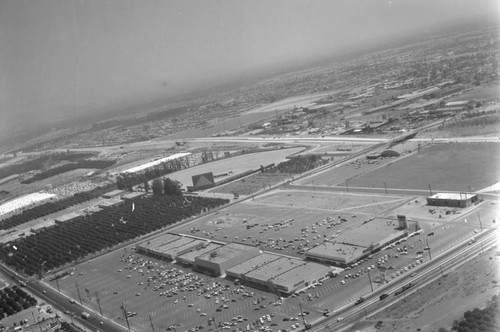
(383, 296)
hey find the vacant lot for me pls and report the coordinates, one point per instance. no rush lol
(444, 300)
(449, 166)
(251, 184)
(236, 165)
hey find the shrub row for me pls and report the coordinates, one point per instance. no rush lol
(13, 300)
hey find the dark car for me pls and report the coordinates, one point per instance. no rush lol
(383, 296)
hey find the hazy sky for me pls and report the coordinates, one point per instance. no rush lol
(56, 54)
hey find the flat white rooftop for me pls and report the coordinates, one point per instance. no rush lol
(453, 196)
(156, 162)
(23, 201)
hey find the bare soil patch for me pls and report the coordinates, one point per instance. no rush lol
(444, 300)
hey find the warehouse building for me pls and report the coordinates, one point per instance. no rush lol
(261, 277)
(460, 200)
(171, 250)
(133, 195)
(188, 258)
(66, 217)
(238, 271)
(216, 262)
(360, 242)
(150, 247)
(299, 277)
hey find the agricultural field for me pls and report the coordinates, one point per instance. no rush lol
(450, 166)
(69, 241)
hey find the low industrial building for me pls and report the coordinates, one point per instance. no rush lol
(355, 244)
(150, 247)
(261, 277)
(188, 258)
(132, 195)
(300, 277)
(108, 203)
(172, 249)
(216, 262)
(239, 271)
(460, 200)
(113, 193)
(66, 217)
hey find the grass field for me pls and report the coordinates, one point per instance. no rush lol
(443, 166)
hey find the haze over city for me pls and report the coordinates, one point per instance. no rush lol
(259, 166)
(64, 59)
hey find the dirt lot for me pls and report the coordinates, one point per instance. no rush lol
(251, 184)
(448, 166)
(444, 300)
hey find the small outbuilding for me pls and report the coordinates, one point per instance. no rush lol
(460, 200)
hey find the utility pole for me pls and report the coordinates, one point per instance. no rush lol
(151, 321)
(430, 190)
(346, 185)
(429, 248)
(57, 283)
(125, 315)
(385, 185)
(78, 291)
(302, 314)
(370, 280)
(441, 268)
(470, 190)
(98, 303)
(480, 224)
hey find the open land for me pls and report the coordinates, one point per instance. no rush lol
(443, 166)
(443, 301)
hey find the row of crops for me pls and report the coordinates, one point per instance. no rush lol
(13, 300)
(66, 242)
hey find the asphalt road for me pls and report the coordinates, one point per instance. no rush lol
(62, 303)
